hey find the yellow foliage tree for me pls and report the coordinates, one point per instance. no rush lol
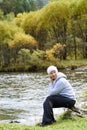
(55, 53)
(19, 18)
(58, 50)
(49, 55)
(7, 31)
(22, 40)
(54, 19)
(30, 22)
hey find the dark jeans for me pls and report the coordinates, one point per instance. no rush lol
(54, 102)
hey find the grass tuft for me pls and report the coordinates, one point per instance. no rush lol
(63, 122)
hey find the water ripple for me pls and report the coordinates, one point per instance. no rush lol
(22, 94)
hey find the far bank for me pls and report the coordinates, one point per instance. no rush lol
(41, 66)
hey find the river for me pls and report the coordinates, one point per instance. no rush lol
(22, 94)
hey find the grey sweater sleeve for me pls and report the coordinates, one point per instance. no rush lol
(56, 88)
(62, 87)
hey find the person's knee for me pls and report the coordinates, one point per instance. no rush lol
(71, 104)
(47, 102)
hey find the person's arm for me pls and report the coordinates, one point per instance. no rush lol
(57, 88)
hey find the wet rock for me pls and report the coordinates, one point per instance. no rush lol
(14, 122)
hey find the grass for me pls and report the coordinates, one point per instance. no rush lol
(64, 122)
(62, 64)
(73, 63)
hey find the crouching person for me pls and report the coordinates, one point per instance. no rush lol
(61, 94)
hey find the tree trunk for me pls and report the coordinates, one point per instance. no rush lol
(75, 48)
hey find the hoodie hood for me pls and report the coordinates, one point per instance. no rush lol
(61, 75)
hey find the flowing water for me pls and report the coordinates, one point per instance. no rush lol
(22, 94)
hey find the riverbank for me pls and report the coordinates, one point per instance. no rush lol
(64, 122)
(73, 64)
(62, 64)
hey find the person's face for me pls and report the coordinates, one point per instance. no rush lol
(53, 75)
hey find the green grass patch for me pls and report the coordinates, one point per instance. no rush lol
(63, 122)
(72, 63)
(62, 64)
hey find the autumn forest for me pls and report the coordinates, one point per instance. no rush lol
(36, 37)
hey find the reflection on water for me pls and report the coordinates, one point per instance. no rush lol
(22, 94)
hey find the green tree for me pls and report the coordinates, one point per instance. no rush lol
(77, 26)
(17, 6)
(38, 60)
(23, 57)
(5, 36)
(39, 3)
(1, 14)
(7, 31)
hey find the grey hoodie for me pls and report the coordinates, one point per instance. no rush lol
(61, 86)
